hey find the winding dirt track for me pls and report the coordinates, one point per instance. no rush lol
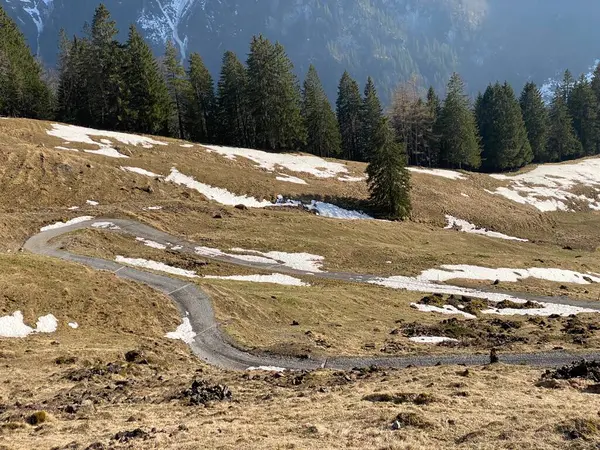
(211, 345)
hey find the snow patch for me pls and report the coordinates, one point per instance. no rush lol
(548, 187)
(73, 325)
(431, 339)
(141, 171)
(110, 152)
(66, 149)
(267, 368)
(467, 227)
(67, 223)
(154, 265)
(275, 278)
(291, 179)
(154, 208)
(467, 272)
(270, 161)
(350, 179)
(220, 195)
(187, 145)
(105, 226)
(450, 174)
(184, 332)
(446, 309)
(73, 208)
(13, 326)
(328, 210)
(92, 202)
(152, 244)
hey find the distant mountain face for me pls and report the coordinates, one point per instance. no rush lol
(485, 40)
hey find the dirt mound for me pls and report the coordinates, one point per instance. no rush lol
(588, 370)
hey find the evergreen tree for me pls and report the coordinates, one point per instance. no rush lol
(371, 115)
(274, 97)
(323, 134)
(567, 85)
(177, 85)
(104, 63)
(233, 115)
(434, 108)
(23, 93)
(459, 139)
(562, 141)
(535, 116)
(68, 91)
(433, 103)
(146, 99)
(583, 107)
(503, 133)
(200, 102)
(388, 178)
(596, 83)
(348, 109)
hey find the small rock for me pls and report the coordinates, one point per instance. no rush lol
(494, 356)
(241, 207)
(295, 323)
(217, 216)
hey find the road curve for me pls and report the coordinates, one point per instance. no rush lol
(212, 346)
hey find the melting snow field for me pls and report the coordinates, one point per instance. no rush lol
(300, 261)
(421, 285)
(431, 339)
(73, 133)
(270, 161)
(450, 174)
(548, 187)
(155, 265)
(184, 332)
(467, 227)
(467, 272)
(275, 278)
(66, 224)
(141, 171)
(105, 226)
(332, 211)
(290, 179)
(14, 327)
(152, 244)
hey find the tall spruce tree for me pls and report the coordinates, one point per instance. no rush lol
(104, 63)
(567, 85)
(146, 99)
(535, 116)
(371, 114)
(200, 101)
(274, 97)
(596, 83)
(503, 133)
(434, 108)
(348, 110)
(23, 93)
(323, 134)
(388, 178)
(177, 86)
(562, 140)
(583, 107)
(459, 138)
(233, 113)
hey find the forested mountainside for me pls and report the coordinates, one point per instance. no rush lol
(484, 40)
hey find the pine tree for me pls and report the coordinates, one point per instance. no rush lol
(23, 93)
(146, 100)
(200, 101)
(371, 115)
(459, 138)
(177, 85)
(274, 97)
(323, 134)
(583, 107)
(233, 115)
(596, 82)
(104, 62)
(562, 140)
(348, 107)
(535, 116)
(433, 103)
(434, 108)
(388, 178)
(503, 133)
(567, 85)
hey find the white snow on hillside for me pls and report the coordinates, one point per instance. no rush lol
(73, 133)
(154, 265)
(431, 339)
(59, 147)
(92, 202)
(267, 368)
(275, 278)
(290, 179)
(348, 179)
(13, 326)
(105, 226)
(184, 332)
(426, 286)
(328, 210)
(67, 223)
(270, 161)
(450, 174)
(219, 195)
(548, 187)
(299, 261)
(141, 171)
(467, 272)
(466, 227)
(151, 244)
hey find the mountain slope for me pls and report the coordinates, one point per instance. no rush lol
(388, 39)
